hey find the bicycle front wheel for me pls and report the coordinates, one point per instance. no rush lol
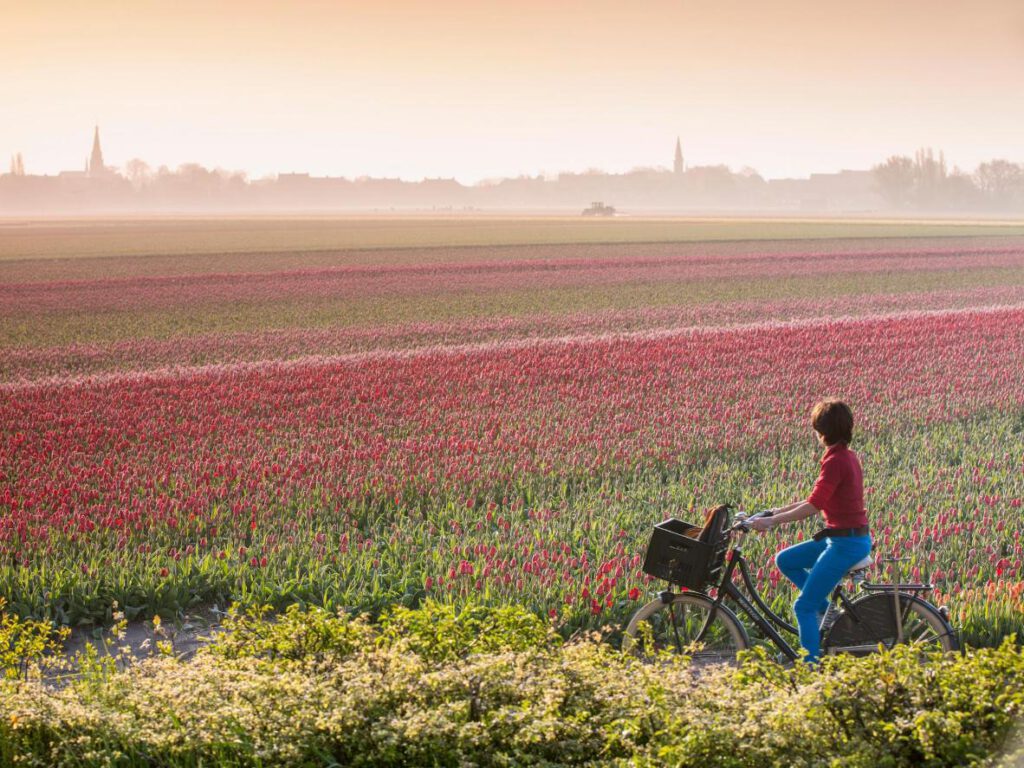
(873, 621)
(688, 624)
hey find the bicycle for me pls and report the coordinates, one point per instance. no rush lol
(697, 622)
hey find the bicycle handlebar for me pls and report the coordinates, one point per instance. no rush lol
(741, 525)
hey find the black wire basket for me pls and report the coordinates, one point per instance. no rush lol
(678, 556)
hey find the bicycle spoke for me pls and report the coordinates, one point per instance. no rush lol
(926, 638)
(921, 625)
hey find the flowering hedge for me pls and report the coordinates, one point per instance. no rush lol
(496, 688)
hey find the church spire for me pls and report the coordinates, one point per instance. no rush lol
(677, 163)
(96, 167)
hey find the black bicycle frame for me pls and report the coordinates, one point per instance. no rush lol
(764, 619)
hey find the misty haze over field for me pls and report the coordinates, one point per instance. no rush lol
(901, 185)
(795, 106)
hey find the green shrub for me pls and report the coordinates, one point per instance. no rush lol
(25, 643)
(444, 632)
(312, 634)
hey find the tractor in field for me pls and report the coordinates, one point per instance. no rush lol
(599, 209)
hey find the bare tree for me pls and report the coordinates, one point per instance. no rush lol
(961, 193)
(138, 172)
(1001, 181)
(896, 179)
(930, 181)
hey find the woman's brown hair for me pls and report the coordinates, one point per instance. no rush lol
(834, 420)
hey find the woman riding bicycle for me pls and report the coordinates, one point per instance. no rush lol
(817, 566)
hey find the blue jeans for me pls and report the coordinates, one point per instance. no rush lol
(816, 567)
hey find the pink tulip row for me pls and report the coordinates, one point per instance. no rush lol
(25, 365)
(230, 450)
(41, 264)
(382, 280)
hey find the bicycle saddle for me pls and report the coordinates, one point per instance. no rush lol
(860, 565)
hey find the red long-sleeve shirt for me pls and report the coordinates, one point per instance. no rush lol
(839, 490)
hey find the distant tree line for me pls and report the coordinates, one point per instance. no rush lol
(189, 175)
(921, 182)
(901, 183)
(924, 182)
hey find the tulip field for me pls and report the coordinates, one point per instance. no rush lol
(498, 423)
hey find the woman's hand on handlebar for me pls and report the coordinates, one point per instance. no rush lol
(759, 521)
(762, 524)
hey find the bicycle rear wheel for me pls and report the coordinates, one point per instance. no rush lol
(872, 621)
(682, 626)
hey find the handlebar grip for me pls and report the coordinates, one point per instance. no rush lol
(743, 526)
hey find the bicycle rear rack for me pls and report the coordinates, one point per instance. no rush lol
(868, 586)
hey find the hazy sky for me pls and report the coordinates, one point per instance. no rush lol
(481, 89)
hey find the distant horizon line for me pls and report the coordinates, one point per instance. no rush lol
(17, 162)
(482, 181)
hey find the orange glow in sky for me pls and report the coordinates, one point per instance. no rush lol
(482, 89)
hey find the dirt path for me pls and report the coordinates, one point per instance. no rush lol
(140, 640)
